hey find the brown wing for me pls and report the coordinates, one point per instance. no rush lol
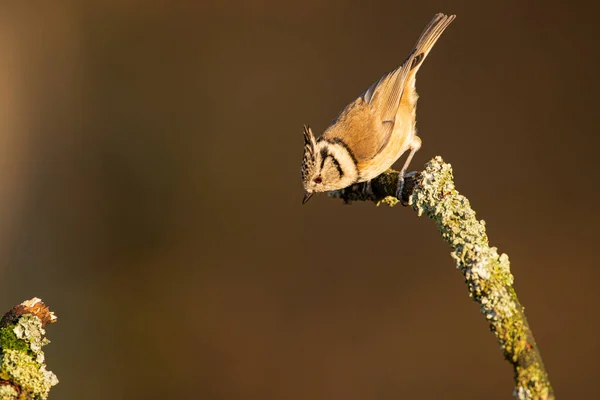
(357, 126)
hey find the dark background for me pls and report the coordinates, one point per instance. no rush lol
(150, 194)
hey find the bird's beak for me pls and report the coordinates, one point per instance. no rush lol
(307, 196)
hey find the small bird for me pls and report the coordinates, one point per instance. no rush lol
(373, 131)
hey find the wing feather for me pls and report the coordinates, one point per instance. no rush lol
(367, 123)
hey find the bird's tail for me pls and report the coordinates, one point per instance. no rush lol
(429, 36)
(387, 92)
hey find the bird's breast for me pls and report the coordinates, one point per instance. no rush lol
(402, 135)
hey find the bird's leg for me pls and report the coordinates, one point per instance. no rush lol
(367, 189)
(414, 146)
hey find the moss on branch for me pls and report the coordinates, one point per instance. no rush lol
(487, 273)
(23, 373)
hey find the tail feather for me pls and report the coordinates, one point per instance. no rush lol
(429, 36)
(388, 90)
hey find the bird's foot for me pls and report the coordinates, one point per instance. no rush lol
(367, 189)
(400, 187)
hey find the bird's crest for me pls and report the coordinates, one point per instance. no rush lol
(308, 161)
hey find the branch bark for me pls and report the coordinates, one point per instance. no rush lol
(23, 373)
(487, 274)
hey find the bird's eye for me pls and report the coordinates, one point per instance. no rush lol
(318, 179)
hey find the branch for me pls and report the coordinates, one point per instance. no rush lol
(23, 374)
(487, 274)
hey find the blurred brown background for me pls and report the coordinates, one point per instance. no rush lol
(150, 194)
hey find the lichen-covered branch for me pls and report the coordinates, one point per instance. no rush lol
(23, 373)
(487, 273)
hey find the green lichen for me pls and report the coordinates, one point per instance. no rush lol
(487, 275)
(29, 328)
(21, 369)
(532, 386)
(9, 340)
(8, 392)
(22, 358)
(391, 201)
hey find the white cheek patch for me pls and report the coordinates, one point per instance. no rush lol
(344, 160)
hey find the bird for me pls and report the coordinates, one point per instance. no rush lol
(370, 134)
